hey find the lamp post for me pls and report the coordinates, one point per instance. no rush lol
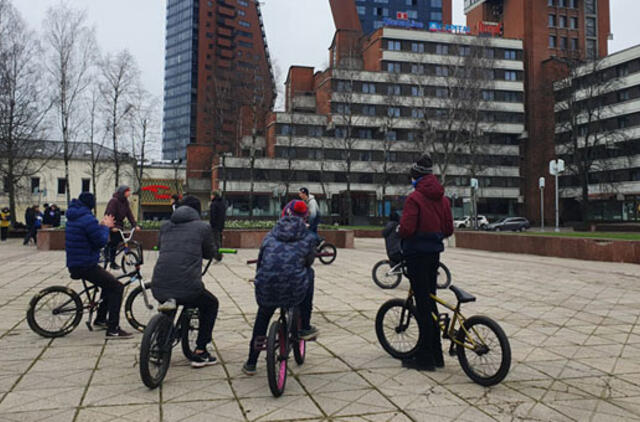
(555, 168)
(474, 204)
(541, 183)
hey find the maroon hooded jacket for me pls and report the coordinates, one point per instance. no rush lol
(426, 218)
(118, 207)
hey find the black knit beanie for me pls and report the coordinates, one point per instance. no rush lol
(193, 202)
(87, 199)
(422, 167)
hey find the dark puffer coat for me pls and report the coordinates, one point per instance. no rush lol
(184, 241)
(284, 264)
(217, 214)
(119, 208)
(84, 236)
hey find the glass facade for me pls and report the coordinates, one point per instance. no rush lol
(180, 80)
(373, 12)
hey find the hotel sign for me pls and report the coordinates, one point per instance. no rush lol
(402, 23)
(471, 4)
(452, 29)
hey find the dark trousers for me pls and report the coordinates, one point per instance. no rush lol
(32, 233)
(114, 241)
(313, 224)
(423, 273)
(217, 235)
(207, 305)
(3, 233)
(264, 315)
(112, 291)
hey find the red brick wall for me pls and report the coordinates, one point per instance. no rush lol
(299, 79)
(345, 15)
(322, 88)
(447, 12)
(372, 52)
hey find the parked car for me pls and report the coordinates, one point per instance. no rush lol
(467, 222)
(516, 224)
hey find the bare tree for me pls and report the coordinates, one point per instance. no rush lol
(95, 138)
(71, 52)
(23, 104)
(119, 78)
(586, 140)
(392, 102)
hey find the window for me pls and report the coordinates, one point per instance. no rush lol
(417, 69)
(86, 185)
(417, 47)
(574, 44)
(573, 23)
(550, 2)
(417, 113)
(411, 2)
(436, 16)
(436, 3)
(412, 14)
(62, 186)
(240, 12)
(368, 88)
(591, 49)
(563, 43)
(442, 49)
(488, 95)
(393, 111)
(391, 135)
(242, 3)
(369, 110)
(344, 86)
(244, 24)
(343, 109)
(552, 41)
(417, 91)
(489, 53)
(316, 131)
(442, 71)
(552, 21)
(464, 50)
(623, 96)
(442, 92)
(510, 75)
(623, 122)
(393, 90)
(591, 27)
(509, 54)
(394, 67)
(380, 11)
(365, 134)
(394, 45)
(562, 3)
(622, 70)
(573, 4)
(35, 184)
(590, 7)
(361, 10)
(562, 21)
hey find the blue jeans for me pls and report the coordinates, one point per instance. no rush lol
(313, 224)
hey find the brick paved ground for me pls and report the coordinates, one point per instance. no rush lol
(573, 328)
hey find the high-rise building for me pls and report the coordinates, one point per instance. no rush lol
(553, 31)
(216, 62)
(374, 14)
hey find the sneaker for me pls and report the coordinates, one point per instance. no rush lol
(118, 334)
(309, 334)
(200, 360)
(100, 325)
(249, 369)
(168, 306)
(114, 266)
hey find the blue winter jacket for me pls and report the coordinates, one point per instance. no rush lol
(84, 236)
(284, 264)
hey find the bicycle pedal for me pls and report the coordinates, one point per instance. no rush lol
(260, 343)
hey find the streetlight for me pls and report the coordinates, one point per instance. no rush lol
(555, 168)
(474, 188)
(541, 183)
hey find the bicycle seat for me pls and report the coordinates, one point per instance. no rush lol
(461, 295)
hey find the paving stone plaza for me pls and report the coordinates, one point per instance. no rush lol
(573, 326)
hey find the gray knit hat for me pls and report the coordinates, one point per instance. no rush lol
(422, 167)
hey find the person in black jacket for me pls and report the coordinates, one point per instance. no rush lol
(52, 216)
(217, 215)
(33, 221)
(177, 277)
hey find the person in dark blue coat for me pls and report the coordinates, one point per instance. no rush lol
(84, 239)
(284, 277)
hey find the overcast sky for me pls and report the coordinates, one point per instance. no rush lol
(298, 31)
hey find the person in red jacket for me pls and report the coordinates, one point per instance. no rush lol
(426, 222)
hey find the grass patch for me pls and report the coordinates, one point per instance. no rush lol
(589, 235)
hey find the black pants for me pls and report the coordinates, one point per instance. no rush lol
(423, 273)
(217, 235)
(264, 315)
(207, 305)
(114, 241)
(32, 233)
(3, 233)
(112, 291)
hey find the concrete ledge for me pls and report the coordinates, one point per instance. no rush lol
(53, 240)
(369, 234)
(560, 247)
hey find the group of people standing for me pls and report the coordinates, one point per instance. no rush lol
(36, 219)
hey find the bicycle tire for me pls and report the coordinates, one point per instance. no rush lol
(497, 376)
(276, 363)
(155, 350)
(190, 324)
(139, 318)
(129, 261)
(400, 326)
(393, 281)
(69, 296)
(299, 345)
(328, 248)
(440, 284)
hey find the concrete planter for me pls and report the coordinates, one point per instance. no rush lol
(369, 234)
(560, 247)
(53, 240)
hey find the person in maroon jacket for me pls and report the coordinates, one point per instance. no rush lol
(426, 222)
(119, 208)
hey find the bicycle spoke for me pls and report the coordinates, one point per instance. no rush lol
(485, 362)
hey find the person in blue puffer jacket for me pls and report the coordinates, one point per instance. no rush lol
(84, 239)
(284, 277)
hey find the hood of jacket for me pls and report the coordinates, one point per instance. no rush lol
(289, 229)
(119, 194)
(184, 214)
(430, 187)
(76, 210)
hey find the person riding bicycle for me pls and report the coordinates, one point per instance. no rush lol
(119, 208)
(84, 239)
(284, 276)
(184, 242)
(392, 240)
(426, 221)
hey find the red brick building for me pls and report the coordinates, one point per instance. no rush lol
(551, 30)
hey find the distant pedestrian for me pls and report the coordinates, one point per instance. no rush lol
(314, 210)
(33, 220)
(5, 222)
(175, 201)
(217, 215)
(52, 216)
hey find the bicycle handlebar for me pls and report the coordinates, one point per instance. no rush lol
(127, 239)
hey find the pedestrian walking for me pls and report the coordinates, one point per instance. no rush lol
(33, 221)
(5, 222)
(217, 215)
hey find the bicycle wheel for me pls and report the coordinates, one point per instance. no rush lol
(54, 312)
(299, 345)
(328, 248)
(155, 350)
(139, 310)
(129, 261)
(444, 277)
(384, 276)
(190, 325)
(483, 351)
(397, 328)
(276, 359)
